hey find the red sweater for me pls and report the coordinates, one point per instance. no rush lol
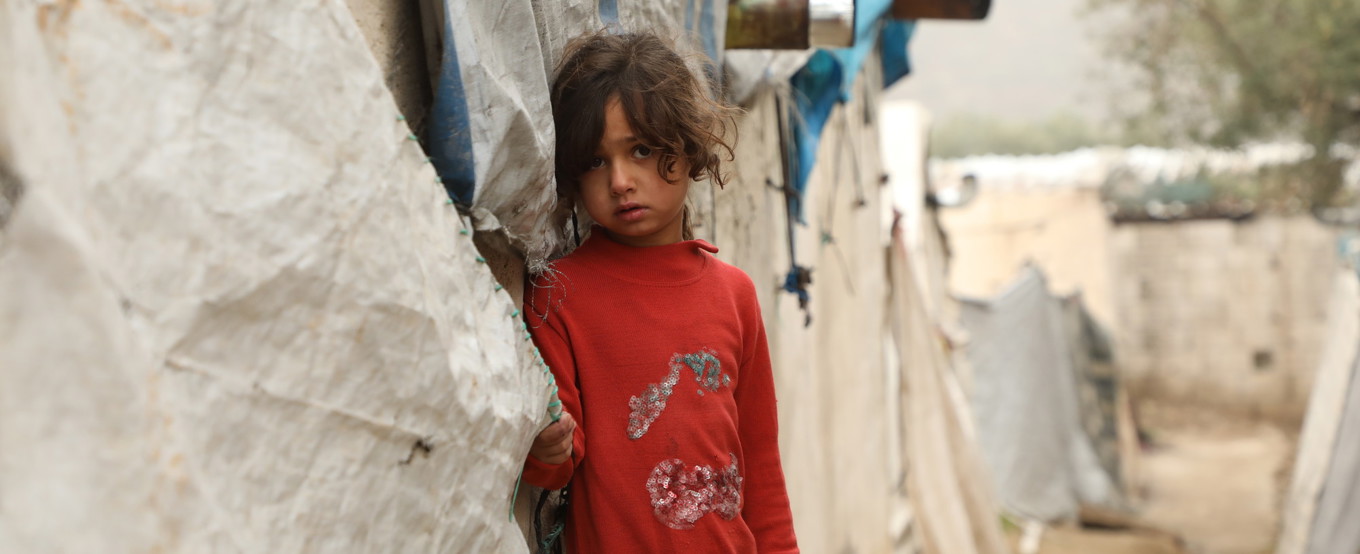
(660, 356)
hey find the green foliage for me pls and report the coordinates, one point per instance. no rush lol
(1224, 72)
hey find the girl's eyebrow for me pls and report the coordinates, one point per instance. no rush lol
(630, 139)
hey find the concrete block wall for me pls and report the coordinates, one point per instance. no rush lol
(1228, 314)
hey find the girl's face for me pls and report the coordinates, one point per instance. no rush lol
(623, 192)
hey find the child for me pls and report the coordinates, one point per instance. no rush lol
(669, 437)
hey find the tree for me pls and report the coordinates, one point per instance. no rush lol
(1224, 72)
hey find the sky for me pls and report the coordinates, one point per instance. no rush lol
(1029, 60)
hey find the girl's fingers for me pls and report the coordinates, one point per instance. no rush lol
(555, 433)
(559, 431)
(557, 454)
(568, 421)
(553, 444)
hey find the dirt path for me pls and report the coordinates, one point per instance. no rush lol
(1217, 486)
(1211, 481)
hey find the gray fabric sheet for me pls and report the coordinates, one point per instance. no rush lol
(1025, 397)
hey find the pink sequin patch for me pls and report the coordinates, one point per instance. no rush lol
(680, 497)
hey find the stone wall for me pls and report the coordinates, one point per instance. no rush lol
(1229, 314)
(1215, 311)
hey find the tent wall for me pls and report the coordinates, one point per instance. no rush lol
(873, 464)
(236, 312)
(1322, 497)
(828, 375)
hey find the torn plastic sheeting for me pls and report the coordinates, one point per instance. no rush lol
(491, 133)
(825, 81)
(1334, 528)
(1314, 511)
(704, 26)
(278, 338)
(609, 11)
(816, 90)
(748, 71)
(896, 35)
(450, 137)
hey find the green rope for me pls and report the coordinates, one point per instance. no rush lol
(552, 537)
(516, 495)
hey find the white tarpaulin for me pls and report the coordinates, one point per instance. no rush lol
(873, 431)
(236, 312)
(946, 480)
(1324, 496)
(492, 127)
(1025, 397)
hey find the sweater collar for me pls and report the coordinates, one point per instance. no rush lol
(676, 263)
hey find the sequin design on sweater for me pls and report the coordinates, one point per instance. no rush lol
(646, 407)
(680, 496)
(707, 370)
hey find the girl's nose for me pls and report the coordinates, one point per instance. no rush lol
(621, 179)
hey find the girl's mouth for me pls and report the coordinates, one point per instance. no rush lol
(631, 211)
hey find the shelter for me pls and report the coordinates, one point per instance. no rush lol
(1324, 494)
(1033, 362)
(241, 311)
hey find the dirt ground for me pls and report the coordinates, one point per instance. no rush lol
(1210, 485)
(1217, 482)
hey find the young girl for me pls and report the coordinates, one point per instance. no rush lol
(669, 438)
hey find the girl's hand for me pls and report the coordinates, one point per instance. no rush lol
(553, 443)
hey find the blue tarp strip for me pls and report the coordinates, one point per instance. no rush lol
(449, 137)
(894, 39)
(829, 79)
(708, 34)
(609, 12)
(816, 90)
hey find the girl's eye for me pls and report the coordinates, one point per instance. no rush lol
(595, 163)
(641, 151)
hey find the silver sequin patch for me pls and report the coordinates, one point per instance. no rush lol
(680, 497)
(646, 407)
(707, 369)
(649, 405)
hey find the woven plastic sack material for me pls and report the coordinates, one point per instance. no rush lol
(236, 311)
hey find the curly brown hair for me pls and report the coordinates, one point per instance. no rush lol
(665, 104)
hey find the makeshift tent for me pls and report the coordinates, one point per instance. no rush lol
(877, 460)
(1324, 495)
(491, 132)
(946, 481)
(1026, 397)
(236, 310)
(1099, 394)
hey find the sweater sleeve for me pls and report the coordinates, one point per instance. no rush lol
(766, 501)
(556, 351)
